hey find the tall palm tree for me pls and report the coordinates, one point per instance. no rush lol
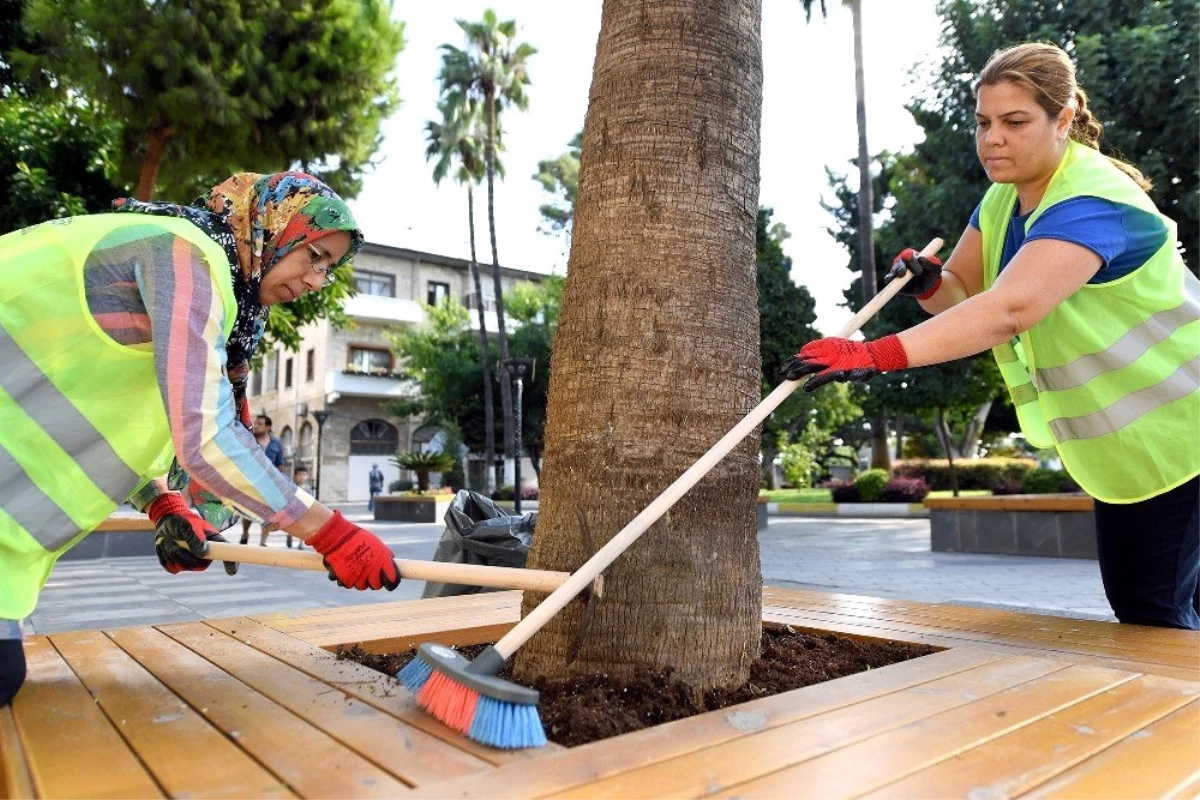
(491, 71)
(456, 142)
(656, 355)
(866, 236)
(866, 241)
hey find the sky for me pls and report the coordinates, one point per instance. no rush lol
(808, 124)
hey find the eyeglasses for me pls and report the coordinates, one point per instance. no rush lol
(326, 271)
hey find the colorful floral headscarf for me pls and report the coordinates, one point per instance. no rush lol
(257, 220)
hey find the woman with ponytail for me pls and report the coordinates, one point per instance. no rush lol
(1073, 278)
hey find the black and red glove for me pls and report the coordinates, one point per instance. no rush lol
(181, 536)
(355, 557)
(926, 270)
(834, 359)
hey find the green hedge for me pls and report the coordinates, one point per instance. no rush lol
(973, 473)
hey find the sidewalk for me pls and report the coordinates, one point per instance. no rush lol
(875, 557)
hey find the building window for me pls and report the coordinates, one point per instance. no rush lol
(256, 379)
(271, 373)
(285, 441)
(376, 283)
(310, 365)
(304, 449)
(370, 361)
(287, 374)
(374, 437)
(438, 292)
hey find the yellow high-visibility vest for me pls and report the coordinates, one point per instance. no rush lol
(82, 420)
(1110, 377)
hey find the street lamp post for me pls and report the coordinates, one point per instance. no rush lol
(518, 370)
(320, 417)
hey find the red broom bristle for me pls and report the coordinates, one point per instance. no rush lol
(449, 701)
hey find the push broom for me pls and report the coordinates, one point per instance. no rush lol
(468, 697)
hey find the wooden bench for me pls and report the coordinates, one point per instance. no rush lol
(1054, 525)
(1016, 705)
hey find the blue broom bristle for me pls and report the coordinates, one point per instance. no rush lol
(414, 675)
(510, 726)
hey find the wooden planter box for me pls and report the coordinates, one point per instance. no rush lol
(410, 508)
(1055, 525)
(1018, 704)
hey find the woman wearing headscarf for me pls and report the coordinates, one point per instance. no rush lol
(126, 341)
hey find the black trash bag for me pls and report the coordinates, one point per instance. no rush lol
(479, 532)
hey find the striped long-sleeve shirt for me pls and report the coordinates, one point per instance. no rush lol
(155, 291)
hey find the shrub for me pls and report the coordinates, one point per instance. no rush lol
(869, 485)
(973, 473)
(1044, 481)
(1007, 487)
(843, 492)
(400, 486)
(424, 462)
(905, 490)
(529, 493)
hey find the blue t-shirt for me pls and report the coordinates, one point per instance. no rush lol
(1123, 236)
(274, 452)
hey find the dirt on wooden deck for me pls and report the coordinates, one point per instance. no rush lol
(586, 708)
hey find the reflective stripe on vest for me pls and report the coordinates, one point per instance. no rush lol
(1125, 411)
(57, 416)
(1126, 350)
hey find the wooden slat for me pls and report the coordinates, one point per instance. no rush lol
(158, 726)
(741, 762)
(71, 747)
(129, 523)
(365, 684)
(1161, 760)
(406, 752)
(310, 762)
(1180, 666)
(855, 769)
(395, 627)
(1014, 502)
(15, 780)
(1015, 762)
(1063, 631)
(710, 733)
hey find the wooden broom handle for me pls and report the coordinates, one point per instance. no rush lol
(468, 574)
(582, 577)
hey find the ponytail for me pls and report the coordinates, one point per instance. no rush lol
(1086, 130)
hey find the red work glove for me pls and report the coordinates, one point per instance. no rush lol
(834, 359)
(926, 270)
(355, 557)
(181, 537)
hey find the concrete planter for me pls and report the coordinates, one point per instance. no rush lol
(410, 508)
(1056, 526)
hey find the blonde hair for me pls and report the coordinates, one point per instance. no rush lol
(1048, 72)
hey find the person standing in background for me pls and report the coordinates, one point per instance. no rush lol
(273, 450)
(376, 485)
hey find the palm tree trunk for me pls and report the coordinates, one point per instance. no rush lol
(489, 421)
(656, 355)
(866, 239)
(148, 170)
(506, 408)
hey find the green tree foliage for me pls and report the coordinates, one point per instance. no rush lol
(559, 176)
(56, 158)
(1137, 61)
(442, 358)
(212, 87)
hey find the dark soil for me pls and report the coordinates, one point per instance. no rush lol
(586, 708)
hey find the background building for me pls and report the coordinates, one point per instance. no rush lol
(352, 372)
